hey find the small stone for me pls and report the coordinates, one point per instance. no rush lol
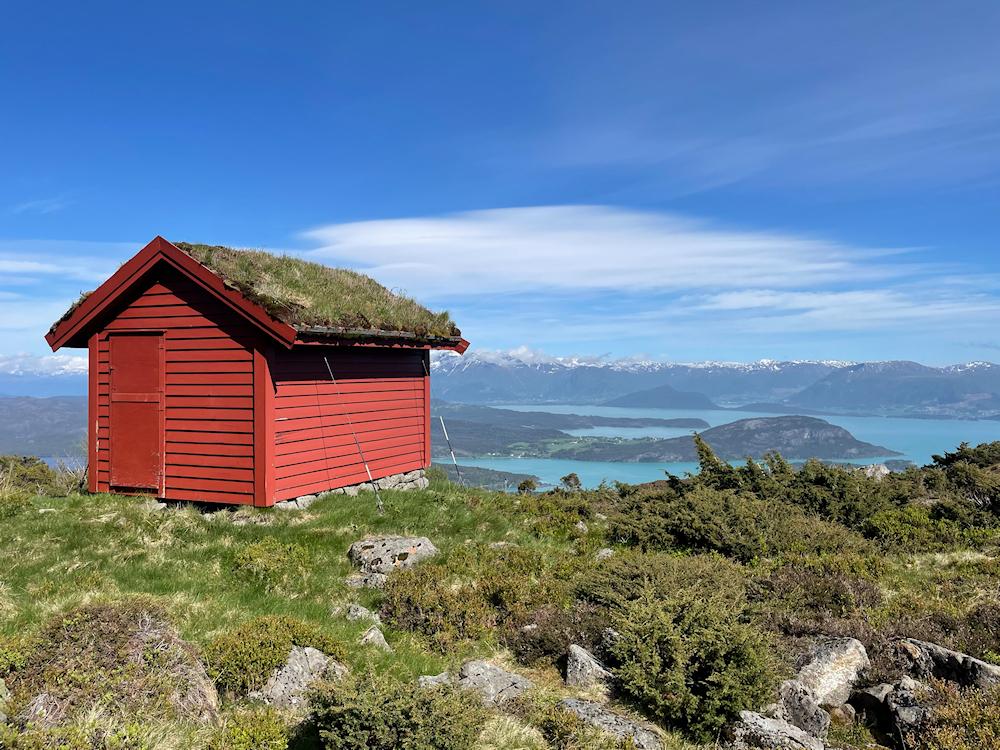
(287, 505)
(374, 637)
(493, 683)
(843, 715)
(604, 553)
(4, 693)
(305, 501)
(583, 670)
(46, 510)
(434, 680)
(356, 612)
(581, 527)
(642, 736)
(366, 580)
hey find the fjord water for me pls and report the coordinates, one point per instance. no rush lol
(916, 439)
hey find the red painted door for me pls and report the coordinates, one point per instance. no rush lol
(136, 434)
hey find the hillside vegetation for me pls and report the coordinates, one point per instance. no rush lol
(126, 625)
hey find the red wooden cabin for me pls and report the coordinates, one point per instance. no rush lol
(198, 392)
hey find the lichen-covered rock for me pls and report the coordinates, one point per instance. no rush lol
(385, 554)
(286, 687)
(891, 711)
(493, 683)
(756, 731)
(583, 670)
(604, 553)
(366, 580)
(434, 680)
(931, 660)
(374, 637)
(355, 613)
(798, 706)
(643, 736)
(833, 669)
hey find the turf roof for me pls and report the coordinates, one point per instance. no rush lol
(310, 295)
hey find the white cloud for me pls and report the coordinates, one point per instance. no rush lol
(46, 364)
(588, 247)
(42, 206)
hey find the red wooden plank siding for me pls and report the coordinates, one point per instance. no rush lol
(208, 390)
(380, 395)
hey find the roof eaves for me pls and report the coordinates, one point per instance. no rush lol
(401, 337)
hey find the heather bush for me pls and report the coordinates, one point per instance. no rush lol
(372, 713)
(959, 720)
(242, 659)
(476, 592)
(690, 664)
(254, 728)
(550, 630)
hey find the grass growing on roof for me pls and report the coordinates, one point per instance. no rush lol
(303, 293)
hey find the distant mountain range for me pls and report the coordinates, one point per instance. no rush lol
(55, 426)
(833, 387)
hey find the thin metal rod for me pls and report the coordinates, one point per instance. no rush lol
(452, 450)
(350, 424)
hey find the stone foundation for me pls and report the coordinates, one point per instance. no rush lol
(410, 480)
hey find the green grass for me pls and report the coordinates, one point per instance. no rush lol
(65, 551)
(303, 293)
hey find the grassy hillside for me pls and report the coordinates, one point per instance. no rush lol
(716, 586)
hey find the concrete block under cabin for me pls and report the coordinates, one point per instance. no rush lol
(242, 377)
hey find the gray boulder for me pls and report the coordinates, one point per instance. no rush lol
(286, 687)
(643, 736)
(892, 711)
(496, 685)
(930, 660)
(798, 706)
(756, 731)
(832, 670)
(374, 637)
(384, 554)
(583, 670)
(4, 697)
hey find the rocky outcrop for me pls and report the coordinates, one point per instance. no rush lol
(366, 580)
(583, 670)
(930, 660)
(493, 683)
(435, 680)
(286, 687)
(756, 731)
(384, 554)
(798, 706)
(878, 472)
(832, 670)
(893, 711)
(643, 736)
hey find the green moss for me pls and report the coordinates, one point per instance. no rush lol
(303, 293)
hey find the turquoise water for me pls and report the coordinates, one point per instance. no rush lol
(916, 439)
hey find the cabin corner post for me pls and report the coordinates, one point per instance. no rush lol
(427, 407)
(93, 364)
(264, 432)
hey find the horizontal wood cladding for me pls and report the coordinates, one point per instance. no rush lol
(208, 390)
(379, 397)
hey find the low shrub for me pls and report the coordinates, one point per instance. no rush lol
(919, 528)
(550, 630)
(14, 503)
(242, 659)
(690, 664)
(82, 737)
(121, 659)
(629, 576)
(476, 592)
(371, 713)
(257, 728)
(14, 652)
(820, 587)
(271, 563)
(737, 525)
(557, 511)
(26, 474)
(959, 720)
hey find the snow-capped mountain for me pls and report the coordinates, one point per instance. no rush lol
(895, 387)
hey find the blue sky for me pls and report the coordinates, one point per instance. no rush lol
(678, 180)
